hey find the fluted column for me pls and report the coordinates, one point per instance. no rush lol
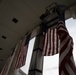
(13, 71)
(36, 64)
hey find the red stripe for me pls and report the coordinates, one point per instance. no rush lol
(62, 65)
(5, 67)
(72, 66)
(57, 42)
(21, 57)
(65, 71)
(62, 35)
(24, 59)
(49, 42)
(66, 60)
(53, 43)
(64, 47)
(18, 56)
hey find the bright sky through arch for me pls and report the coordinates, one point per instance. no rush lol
(71, 26)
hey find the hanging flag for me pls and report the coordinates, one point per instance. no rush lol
(5, 67)
(51, 45)
(66, 61)
(21, 57)
(59, 41)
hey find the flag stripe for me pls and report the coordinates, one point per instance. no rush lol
(5, 67)
(64, 46)
(21, 57)
(65, 52)
(51, 46)
(63, 61)
(65, 71)
(69, 69)
(62, 73)
(53, 43)
(59, 40)
(46, 44)
(49, 42)
(56, 45)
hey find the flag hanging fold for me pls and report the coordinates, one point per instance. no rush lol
(58, 40)
(21, 57)
(5, 67)
(66, 61)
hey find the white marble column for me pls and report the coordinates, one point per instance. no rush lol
(13, 71)
(36, 64)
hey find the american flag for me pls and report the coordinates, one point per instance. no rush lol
(5, 67)
(21, 57)
(66, 61)
(51, 45)
(58, 40)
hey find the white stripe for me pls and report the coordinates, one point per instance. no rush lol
(58, 44)
(64, 42)
(51, 41)
(62, 29)
(47, 45)
(70, 71)
(61, 22)
(55, 41)
(48, 40)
